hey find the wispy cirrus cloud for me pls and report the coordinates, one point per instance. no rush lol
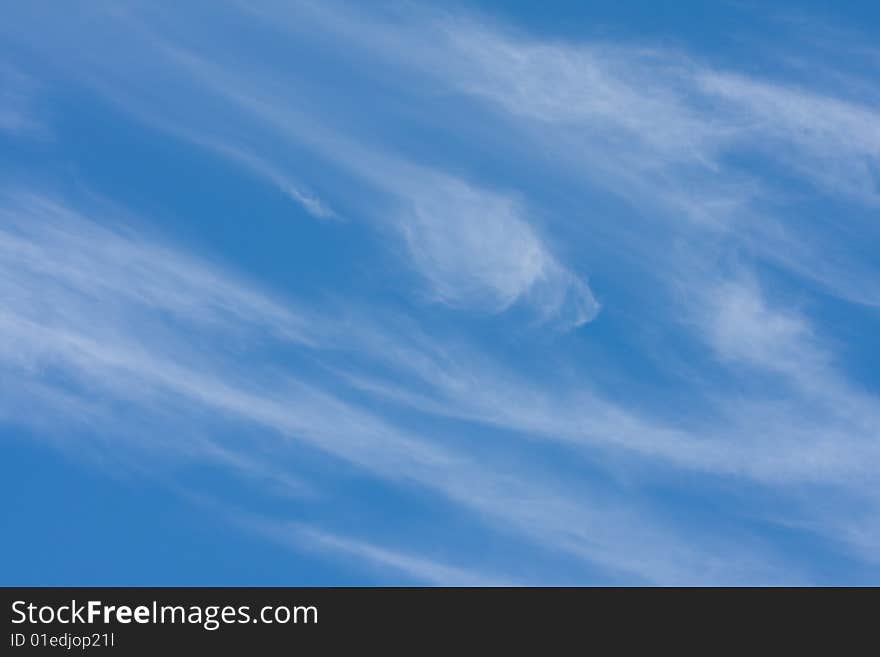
(675, 136)
(475, 247)
(830, 141)
(745, 199)
(97, 346)
(472, 246)
(413, 566)
(477, 250)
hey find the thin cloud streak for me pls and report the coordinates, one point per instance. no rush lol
(425, 571)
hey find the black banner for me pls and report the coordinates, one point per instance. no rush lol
(150, 620)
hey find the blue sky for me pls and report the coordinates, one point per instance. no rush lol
(480, 293)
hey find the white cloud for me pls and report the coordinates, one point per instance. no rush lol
(85, 320)
(263, 168)
(661, 129)
(474, 247)
(129, 319)
(477, 250)
(78, 262)
(834, 142)
(424, 570)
